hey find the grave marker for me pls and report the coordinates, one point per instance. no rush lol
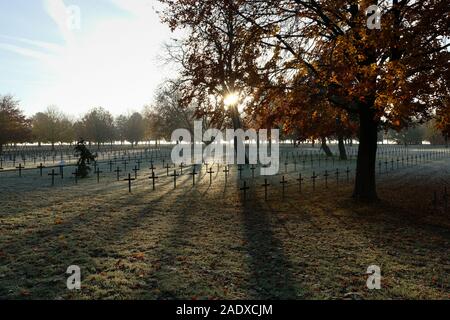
(20, 169)
(300, 181)
(175, 175)
(118, 171)
(210, 175)
(135, 172)
(193, 174)
(265, 185)
(53, 174)
(129, 182)
(40, 167)
(245, 189)
(153, 178)
(314, 177)
(226, 171)
(283, 182)
(98, 174)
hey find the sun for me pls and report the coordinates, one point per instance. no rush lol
(231, 99)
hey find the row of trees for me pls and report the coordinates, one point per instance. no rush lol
(97, 126)
(157, 123)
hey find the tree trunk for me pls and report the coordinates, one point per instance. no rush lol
(1, 148)
(342, 151)
(326, 148)
(237, 124)
(365, 184)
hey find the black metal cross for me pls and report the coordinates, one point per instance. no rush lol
(139, 163)
(314, 177)
(337, 175)
(40, 167)
(20, 169)
(326, 175)
(136, 169)
(265, 185)
(53, 174)
(175, 175)
(283, 182)
(240, 171)
(210, 175)
(61, 170)
(300, 181)
(193, 174)
(75, 174)
(445, 198)
(181, 168)
(167, 168)
(153, 177)
(129, 182)
(118, 171)
(253, 168)
(226, 171)
(244, 189)
(98, 174)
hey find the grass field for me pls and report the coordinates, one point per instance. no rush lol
(208, 242)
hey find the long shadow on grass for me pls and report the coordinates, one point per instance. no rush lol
(44, 264)
(271, 277)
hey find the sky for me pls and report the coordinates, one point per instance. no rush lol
(80, 54)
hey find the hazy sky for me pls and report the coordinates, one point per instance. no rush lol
(105, 56)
